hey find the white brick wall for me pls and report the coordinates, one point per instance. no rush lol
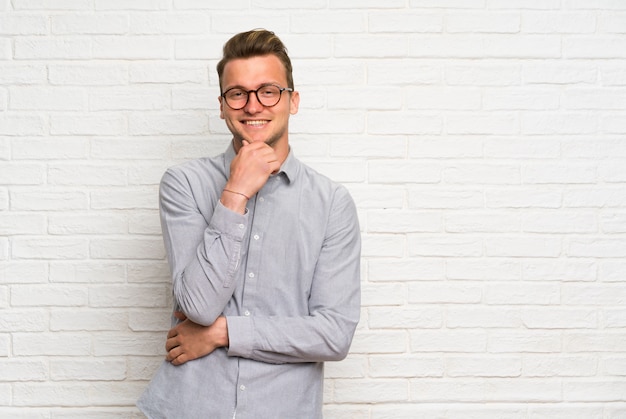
(483, 141)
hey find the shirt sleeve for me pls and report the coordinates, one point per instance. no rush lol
(334, 304)
(203, 255)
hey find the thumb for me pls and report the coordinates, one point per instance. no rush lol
(180, 315)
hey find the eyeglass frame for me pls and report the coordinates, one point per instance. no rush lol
(256, 93)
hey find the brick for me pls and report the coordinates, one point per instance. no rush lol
(597, 390)
(323, 22)
(130, 149)
(51, 344)
(403, 318)
(128, 198)
(558, 22)
(523, 390)
(477, 74)
(470, 173)
(438, 390)
(120, 296)
(145, 223)
(160, 72)
(169, 23)
(611, 270)
(49, 248)
(379, 342)
(592, 294)
(485, 222)
(86, 174)
(23, 320)
(523, 246)
(597, 248)
(130, 99)
(405, 366)
(351, 367)
(483, 366)
(24, 272)
(523, 197)
(376, 98)
(21, 174)
(559, 270)
(150, 320)
(81, 124)
(393, 171)
(405, 72)
(407, 22)
(403, 221)
(560, 222)
(26, 148)
(120, 344)
(383, 245)
(16, 369)
(391, 147)
(50, 296)
(526, 98)
(550, 318)
(23, 25)
(389, 270)
(445, 293)
(96, 272)
(452, 98)
(448, 341)
(381, 391)
(325, 122)
(142, 367)
(71, 369)
(534, 123)
(87, 320)
(481, 317)
(52, 5)
(539, 148)
(521, 4)
(594, 47)
(483, 269)
(381, 46)
(553, 72)
(455, 147)
(512, 341)
(167, 124)
(382, 294)
(20, 125)
(87, 224)
(559, 365)
(409, 123)
(132, 4)
(19, 223)
(93, 24)
(463, 46)
(486, 22)
(508, 293)
(88, 75)
(132, 48)
(45, 48)
(127, 248)
(500, 123)
(48, 200)
(442, 198)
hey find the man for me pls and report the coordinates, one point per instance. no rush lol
(264, 254)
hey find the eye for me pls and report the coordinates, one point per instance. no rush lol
(269, 91)
(236, 94)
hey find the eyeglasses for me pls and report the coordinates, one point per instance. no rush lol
(268, 95)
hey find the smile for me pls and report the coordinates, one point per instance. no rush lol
(255, 123)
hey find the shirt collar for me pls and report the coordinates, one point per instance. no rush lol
(288, 169)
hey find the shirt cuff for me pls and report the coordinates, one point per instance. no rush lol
(240, 336)
(229, 222)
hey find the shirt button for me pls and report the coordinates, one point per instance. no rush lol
(261, 199)
(256, 237)
(242, 387)
(251, 274)
(241, 226)
(246, 313)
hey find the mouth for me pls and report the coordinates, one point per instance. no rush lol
(256, 122)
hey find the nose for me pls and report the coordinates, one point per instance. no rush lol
(253, 105)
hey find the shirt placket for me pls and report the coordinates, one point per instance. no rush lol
(260, 219)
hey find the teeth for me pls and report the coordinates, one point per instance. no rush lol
(256, 122)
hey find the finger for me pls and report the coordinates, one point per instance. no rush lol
(180, 360)
(180, 315)
(173, 332)
(171, 343)
(173, 354)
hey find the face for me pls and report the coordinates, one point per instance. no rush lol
(256, 122)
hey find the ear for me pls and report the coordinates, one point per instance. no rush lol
(221, 101)
(294, 102)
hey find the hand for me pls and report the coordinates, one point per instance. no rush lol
(188, 340)
(251, 167)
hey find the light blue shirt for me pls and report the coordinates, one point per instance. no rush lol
(286, 276)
